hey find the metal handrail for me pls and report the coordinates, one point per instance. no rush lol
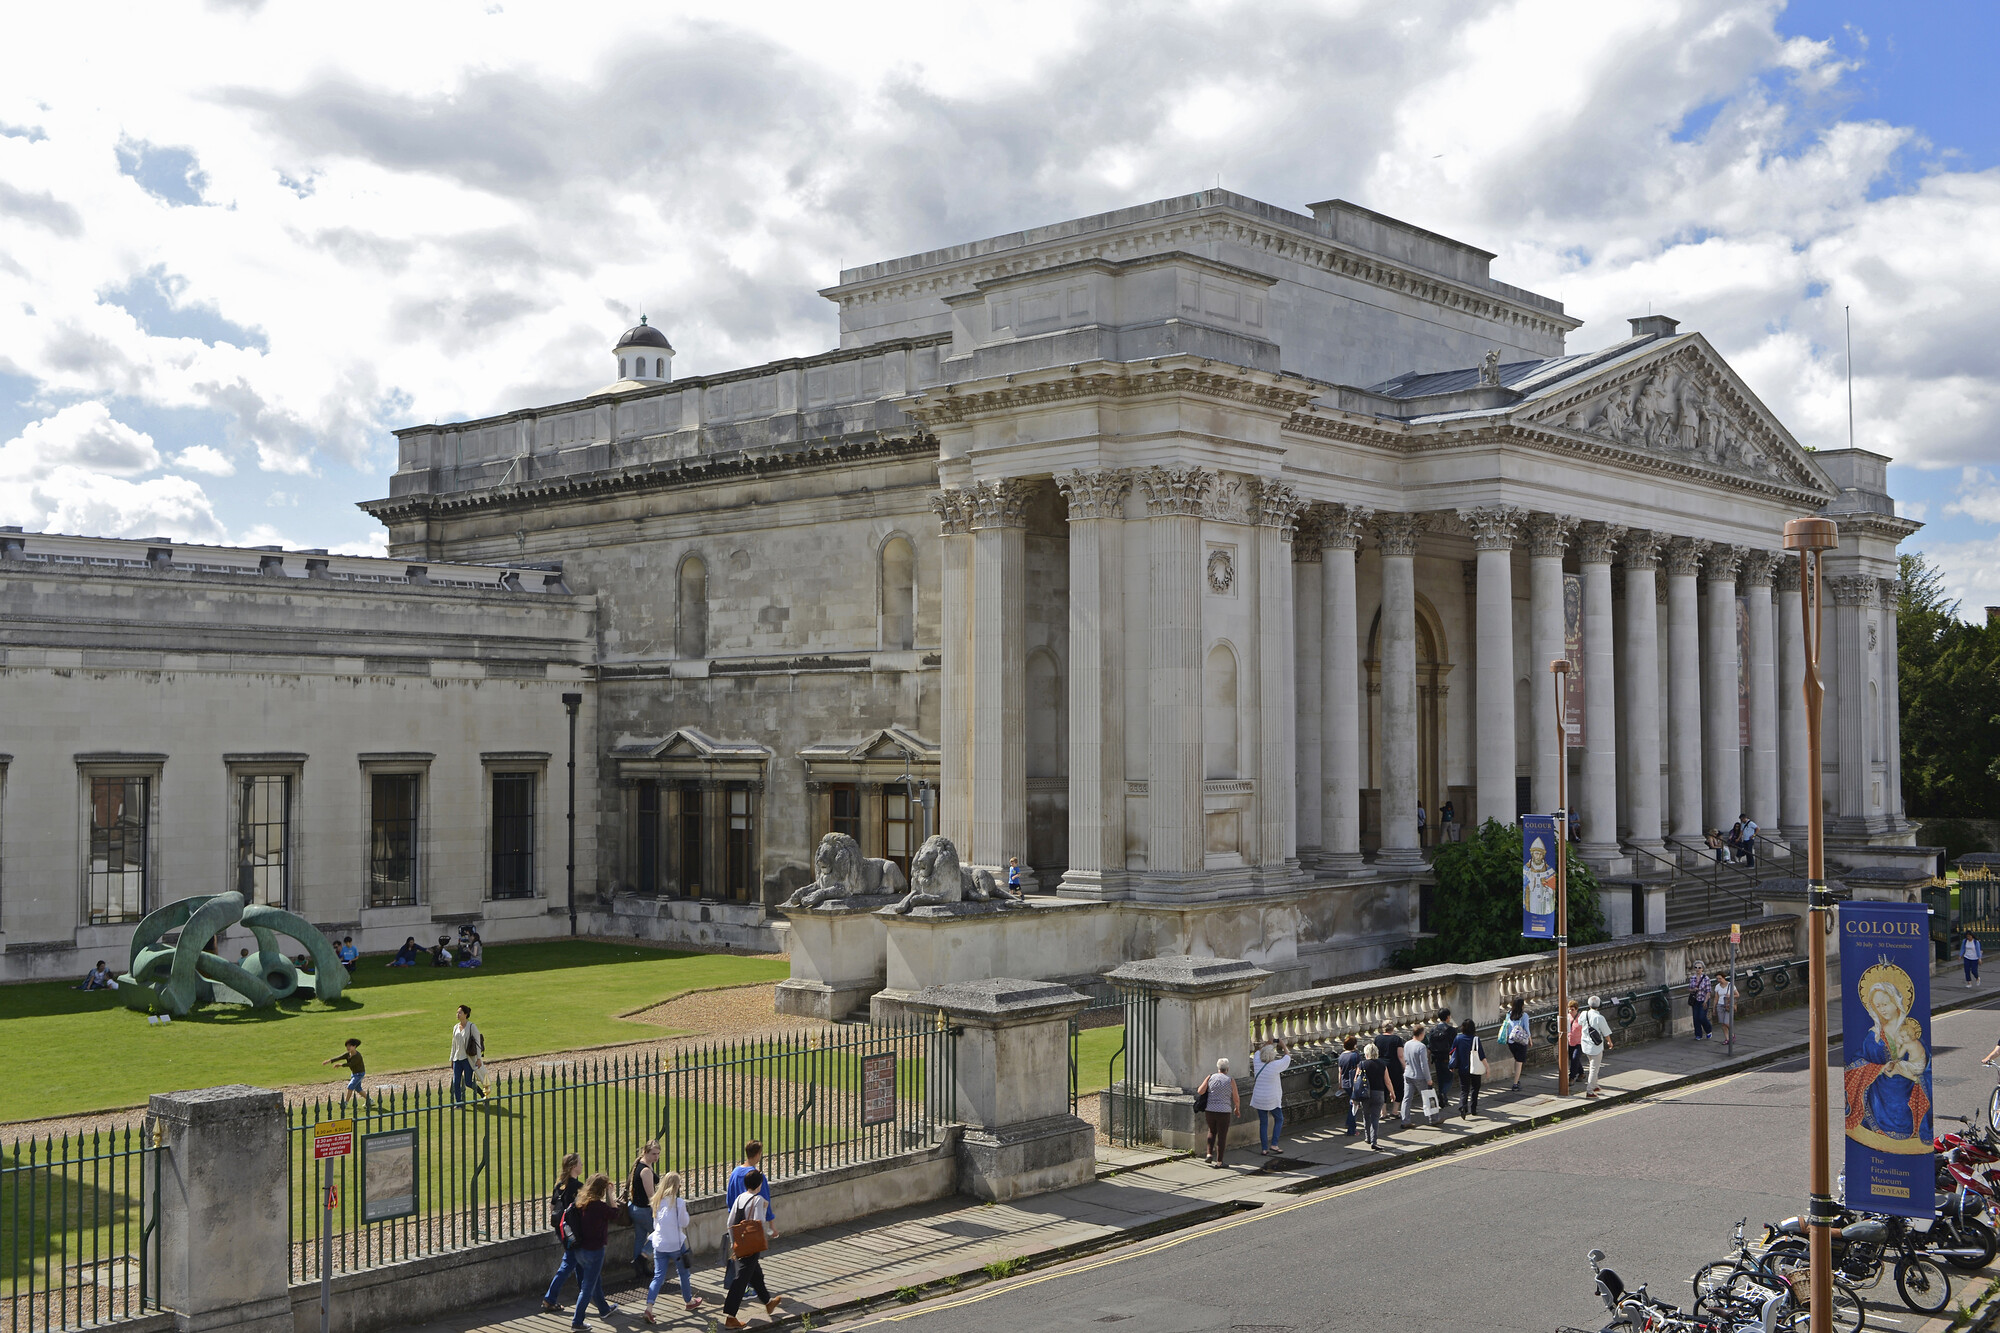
(1712, 881)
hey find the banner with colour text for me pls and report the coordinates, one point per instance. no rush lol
(1538, 876)
(1885, 1007)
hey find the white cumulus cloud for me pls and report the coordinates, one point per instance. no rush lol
(205, 458)
(84, 436)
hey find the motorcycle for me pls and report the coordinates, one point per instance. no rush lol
(1865, 1246)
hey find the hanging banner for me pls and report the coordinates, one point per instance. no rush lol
(1886, 1033)
(1538, 876)
(1579, 680)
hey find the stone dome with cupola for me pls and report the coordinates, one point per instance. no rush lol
(644, 358)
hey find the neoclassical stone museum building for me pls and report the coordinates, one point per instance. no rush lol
(1197, 554)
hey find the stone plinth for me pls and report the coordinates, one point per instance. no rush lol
(1203, 1015)
(970, 942)
(1013, 1087)
(837, 957)
(222, 1210)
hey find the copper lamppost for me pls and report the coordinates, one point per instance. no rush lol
(1812, 538)
(1559, 670)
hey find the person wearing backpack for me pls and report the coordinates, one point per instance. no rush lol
(1350, 1058)
(588, 1220)
(1371, 1082)
(1209, 1101)
(670, 1244)
(1468, 1058)
(1595, 1031)
(733, 1189)
(1516, 1036)
(569, 1184)
(749, 1232)
(466, 1047)
(1439, 1040)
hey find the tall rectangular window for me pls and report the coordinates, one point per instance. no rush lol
(392, 840)
(513, 835)
(115, 878)
(899, 827)
(847, 811)
(741, 845)
(646, 848)
(690, 840)
(263, 837)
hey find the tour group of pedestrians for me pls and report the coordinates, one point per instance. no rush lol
(582, 1213)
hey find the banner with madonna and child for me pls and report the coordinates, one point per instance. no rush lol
(1885, 968)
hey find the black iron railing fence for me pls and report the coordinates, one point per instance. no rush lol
(458, 1174)
(79, 1229)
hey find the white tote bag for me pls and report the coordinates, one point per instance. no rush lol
(1477, 1064)
(1430, 1096)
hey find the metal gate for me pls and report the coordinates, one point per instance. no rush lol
(1126, 1122)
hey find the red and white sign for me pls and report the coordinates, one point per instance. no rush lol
(333, 1138)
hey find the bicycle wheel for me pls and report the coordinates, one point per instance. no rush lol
(1923, 1284)
(1993, 1108)
(1849, 1314)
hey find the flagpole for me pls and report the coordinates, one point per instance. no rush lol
(1559, 669)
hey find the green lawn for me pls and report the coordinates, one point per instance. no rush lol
(69, 1051)
(1095, 1049)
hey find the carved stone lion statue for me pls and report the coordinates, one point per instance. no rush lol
(845, 873)
(937, 879)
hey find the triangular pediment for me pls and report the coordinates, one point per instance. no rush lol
(1676, 399)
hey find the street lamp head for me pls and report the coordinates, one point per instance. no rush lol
(1811, 534)
(1560, 666)
(572, 701)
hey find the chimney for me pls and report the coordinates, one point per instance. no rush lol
(1993, 615)
(1654, 326)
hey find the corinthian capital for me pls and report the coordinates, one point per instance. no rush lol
(1723, 562)
(1855, 590)
(1493, 527)
(1001, 504)
(1341, 527)
(1892, 593)
(1759, 567)
(1788, 573)
(1642, 549)
(1548, 534)
(1175, 491)
(954, 511)
(1098, 494)
(1684, 556)
(1595, 543)
(1273, 504)
(1398, 533)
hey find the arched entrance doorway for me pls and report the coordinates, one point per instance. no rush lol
(1433, 666)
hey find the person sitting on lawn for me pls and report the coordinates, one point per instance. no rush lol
(407, 955)
(471, 952)
(441, 956)
(351, 1057)
(347, 953)
(99, 978)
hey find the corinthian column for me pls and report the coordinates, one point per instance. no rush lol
(1892, 708)
(1176, 832)
(1494, 530)
(1761, 796)
(1340, 529)
(1722, 762)
(999, 671)
(1096, 682)
(1794, 796)
(954, 511)
(1398, 535)
(1642, 666)
(1854, 597)
(1308, 594)
(1275, 511)
(1599, 803)
(1548, 537)
(1684, 689)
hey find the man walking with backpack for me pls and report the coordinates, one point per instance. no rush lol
(1596, 1034)
(741, 1182)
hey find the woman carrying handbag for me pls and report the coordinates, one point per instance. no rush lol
(1516, 1035)
(1468, 1058)
(750, 1234)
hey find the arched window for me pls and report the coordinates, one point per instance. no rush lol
(621, 367)
(1218, 714)
(691, 609)
(899, 594)
(659, 367)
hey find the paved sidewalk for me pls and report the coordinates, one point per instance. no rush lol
(955, 1242)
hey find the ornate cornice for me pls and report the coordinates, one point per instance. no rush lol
(1759, 567)
(1855, 590)
(1888, 527)
(1176, 492)
(1642, 548)
(1493, 527)
(1001, 503)
(954, 510)
(1548, 534)
(1342, 526)
(1683, 556)
(1788, 573)
(1722, 561)
(1273, 504)
(950, 405)
(1097, 494)
(1596, 542)
(1398, 533)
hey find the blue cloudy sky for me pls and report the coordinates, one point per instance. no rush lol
(240, 242)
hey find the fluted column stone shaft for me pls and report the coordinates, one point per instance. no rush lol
(1794, 795)
(1722, 757)
(1176, 832)
(1760, 796)
(1096, 681)
(1398, 534)
(1548, 537)
(1276, 512)
(1641, 663)
(1684, 789)
(1341, 529)
(1598, 801)
(1854, 597)
(1892, 712)
(1494, 531)
(999, 671)
(954, 511)
(1309, 614)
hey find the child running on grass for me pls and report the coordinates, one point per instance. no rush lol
(351, 1057)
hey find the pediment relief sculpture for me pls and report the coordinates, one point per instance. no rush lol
(1677, 406)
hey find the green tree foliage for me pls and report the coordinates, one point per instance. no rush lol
(1948, 683)
(1477, 913)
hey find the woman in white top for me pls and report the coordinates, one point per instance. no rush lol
(1724, 1000)
(1267, 1094)
(670, 1243)
(1516, 1035)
